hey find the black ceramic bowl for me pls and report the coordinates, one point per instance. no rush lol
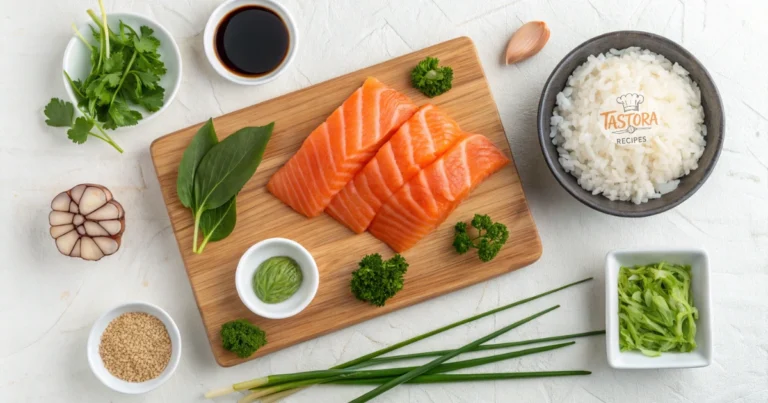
(710, 99)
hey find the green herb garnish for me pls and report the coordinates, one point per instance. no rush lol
(212, 173)
(430, 79)
(125, 72)
(656, 312)
(242, 337)
(377, 280)
(277, 279)
(490, 237)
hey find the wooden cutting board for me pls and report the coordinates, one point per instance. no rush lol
(435, 268)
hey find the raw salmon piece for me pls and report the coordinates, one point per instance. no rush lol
(334, 152)
(428, 198)
(417, 143)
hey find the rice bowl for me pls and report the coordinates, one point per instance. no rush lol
(629, 124)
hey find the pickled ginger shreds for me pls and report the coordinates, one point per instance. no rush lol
(656, 311)
(629, 82)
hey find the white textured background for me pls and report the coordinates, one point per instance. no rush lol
(48, 303)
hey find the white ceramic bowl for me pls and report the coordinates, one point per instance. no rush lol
(77, 62)
(702, 295)
(97, 365)
(210, 31)
(257, 254)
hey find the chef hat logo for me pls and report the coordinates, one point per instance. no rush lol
(630, 102)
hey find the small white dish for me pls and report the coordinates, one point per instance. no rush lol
(77, 62)
(702, 295)
(256, 255)
(117, 384)
(209, 40)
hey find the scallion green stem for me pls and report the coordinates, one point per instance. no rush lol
(484, 347)
(421, 336)
(453, 325)
(274, 384)
(444, 378)
(434, 363)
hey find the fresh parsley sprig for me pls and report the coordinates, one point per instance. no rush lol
(431, 79)
(376, 280)
(490, 237)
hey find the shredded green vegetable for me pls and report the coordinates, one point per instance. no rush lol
(656, 312)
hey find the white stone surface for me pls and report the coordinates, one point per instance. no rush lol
(48, 303)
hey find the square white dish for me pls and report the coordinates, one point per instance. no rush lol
(702, 300)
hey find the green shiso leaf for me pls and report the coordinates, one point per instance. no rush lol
(202, 142)
(656, 312)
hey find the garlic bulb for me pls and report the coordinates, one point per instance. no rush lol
(86, 222)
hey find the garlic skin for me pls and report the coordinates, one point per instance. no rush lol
(527, 41)
(87, 222)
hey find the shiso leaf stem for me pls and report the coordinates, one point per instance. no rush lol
(198, 215)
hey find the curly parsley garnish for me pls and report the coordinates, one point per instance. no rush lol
(491, 237)
(430, 79)
(377, 280)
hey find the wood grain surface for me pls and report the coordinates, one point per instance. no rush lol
(435, 268)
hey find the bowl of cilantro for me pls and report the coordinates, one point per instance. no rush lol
(121, 79)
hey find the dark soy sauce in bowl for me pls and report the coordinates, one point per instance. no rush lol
(252, 41)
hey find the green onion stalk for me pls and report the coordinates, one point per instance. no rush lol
(279, 383)
(364, 358)
(438, 361)
(484, 347)
(447, 378)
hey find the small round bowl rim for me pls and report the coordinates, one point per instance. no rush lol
(581, 194)
(245, 290)
(109, 380)
(213, 22)
(155, 26)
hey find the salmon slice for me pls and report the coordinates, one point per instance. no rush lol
(417, 143)
(428, 198)
(337, 149)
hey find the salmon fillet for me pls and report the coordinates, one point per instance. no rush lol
(337, 149)
(416, 144)
(428, 198)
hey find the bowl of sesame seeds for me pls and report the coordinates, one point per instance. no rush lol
(134, 347)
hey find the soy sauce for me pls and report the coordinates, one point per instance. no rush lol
(252, 41)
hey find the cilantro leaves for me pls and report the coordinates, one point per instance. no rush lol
(125, 75)
(59, 113)
(62, 114)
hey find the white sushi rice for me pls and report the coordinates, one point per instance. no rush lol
(636, 172)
